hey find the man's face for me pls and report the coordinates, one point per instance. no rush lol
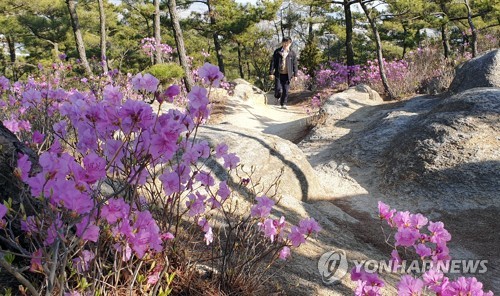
(286, 44)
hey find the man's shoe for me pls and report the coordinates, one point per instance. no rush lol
(283, 107)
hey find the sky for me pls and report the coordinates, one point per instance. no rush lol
(197, 6)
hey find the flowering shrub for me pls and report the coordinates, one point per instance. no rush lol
(335, 75)
(398, 74)
(428, 240)
(149, 46)
(302, 81)
(122, 195)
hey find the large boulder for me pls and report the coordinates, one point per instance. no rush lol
(481, 71)
(269, 155)
(449, 157)
(248, 92)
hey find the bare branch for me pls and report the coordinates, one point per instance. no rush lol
(18, 276)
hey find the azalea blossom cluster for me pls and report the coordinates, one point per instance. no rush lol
(276, 228)
(335, 75)
(399, 75)
(302, 80)
(428, 245)
(150, 46)
(114, 174)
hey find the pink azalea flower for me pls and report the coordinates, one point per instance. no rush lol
(402, 219)
(163, 143)
(309, 225)
(410, 286)
(112, 94)
(136, 114)
(79, 202)
(203, 149)
(170, 182)
(4, 83)
(211, 74)
(367, 283)
(422, 250)
(438, 233)
(221, 150)
(195, 204)
(82, 262)
(406, 237)
(153, 278)
(32, 96)
(114, 210)
(29, 225)
(441, 252)
(125, 250)
(87, 230)
(230, 161)
(145, 82)
(205, 179)
(385, 211)
(23, 167)
(465, 286)
(395, 259)
(52, 232)
(418, 221)
(12, 125)
(269, 229)
(435, 280)
(284, 253)
(203, 223)
(198, 98)
(167, 236)
(150, 82)
(36, 261)
(223, 191)
(296, 236)
(263, 207)
(95, 168)
(209, 236)
(60, 128)
(3, 211)
(172, 91)
(38, 137)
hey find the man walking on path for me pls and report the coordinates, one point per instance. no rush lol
(283, 69)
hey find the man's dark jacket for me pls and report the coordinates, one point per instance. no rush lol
(291, 63)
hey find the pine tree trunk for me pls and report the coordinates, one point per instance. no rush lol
(348, 38)
(12, 55)
(380, 56)
(102, 22)
(215, 35)
(179, 41)
(472, 28)
(405, 34)
(75, 24)
(445, 40)
(218, 52)
(157, 32)
(348, 33)
(310, 31)
(240, 62)
(444, 31)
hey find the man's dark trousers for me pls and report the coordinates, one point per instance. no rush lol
(281, 88)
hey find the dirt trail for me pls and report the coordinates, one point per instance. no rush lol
(341, 231)
(267, 117)
(347, 152)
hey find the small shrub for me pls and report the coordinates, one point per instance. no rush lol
(167, 72)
